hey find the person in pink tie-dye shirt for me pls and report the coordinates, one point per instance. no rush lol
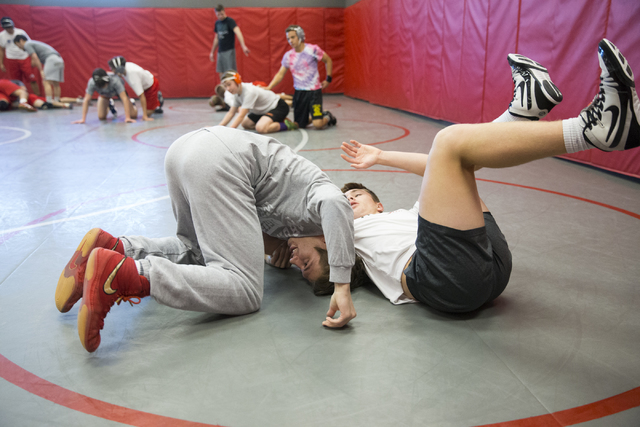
(302, 61)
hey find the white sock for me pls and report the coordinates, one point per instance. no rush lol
(23, 101)
(573, 137)
(139, 267)
(49, 98)
(508, 117)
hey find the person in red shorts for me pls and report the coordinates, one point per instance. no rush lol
(40, 102)
(143, 83)
(13, 60)
(10, 93)
(13, 94)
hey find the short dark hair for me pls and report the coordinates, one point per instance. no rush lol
(219, 8)
(19, 38)
(323, 286)
(357, 186)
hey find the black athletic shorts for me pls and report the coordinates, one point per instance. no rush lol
(305, 103)
(278, 114)
(458, 271)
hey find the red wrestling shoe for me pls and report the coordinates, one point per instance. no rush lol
(69, 289)
(109, 278)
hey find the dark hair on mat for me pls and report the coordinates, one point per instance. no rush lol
(4, 105)
(19, 38)
(219, 8)
(323, 286)
(357, 186)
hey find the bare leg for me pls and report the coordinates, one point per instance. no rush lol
(48, 90)
(320, 123)
(132, 109)
(449, 195)
(56, 91)
(267, 125)
(103, 105)
(248, 124)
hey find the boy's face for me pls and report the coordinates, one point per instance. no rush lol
(362, 203)
(221, 15)
(231, 86)
(292, 38)
(20, 44)
(305, 256)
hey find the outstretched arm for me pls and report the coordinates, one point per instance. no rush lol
(238, 33)
(277, 78)
(85, 108)
(127, 110)
(363, 156)
(227, 117)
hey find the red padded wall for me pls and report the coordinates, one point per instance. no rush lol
(174, 43)
(448, 59)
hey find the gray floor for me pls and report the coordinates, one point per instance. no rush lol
(565, 333)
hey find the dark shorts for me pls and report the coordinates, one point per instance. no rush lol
(278, 114)
(305, 103)
(458, 271)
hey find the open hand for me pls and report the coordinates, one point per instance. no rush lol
(360, 156)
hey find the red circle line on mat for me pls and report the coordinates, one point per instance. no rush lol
(78, 402)
(406, 133)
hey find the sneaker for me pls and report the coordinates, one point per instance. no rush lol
(290, 125)
(158, 110)
(160, 100)
(610, 122)
(110, 278)
(534, 94)
(112, 108)
(332, 119)
(69, 289)
(26, 107)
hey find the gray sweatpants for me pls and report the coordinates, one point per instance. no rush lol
(216, 261)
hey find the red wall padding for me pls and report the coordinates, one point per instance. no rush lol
(448, 59)
(443, 59)
(174, 44)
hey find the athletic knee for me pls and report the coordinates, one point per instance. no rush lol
(319, 124)
(449, 139)
(262, 128)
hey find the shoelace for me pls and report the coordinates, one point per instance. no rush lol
(128, 299)
(594, 111)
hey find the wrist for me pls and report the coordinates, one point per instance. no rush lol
(328, 79)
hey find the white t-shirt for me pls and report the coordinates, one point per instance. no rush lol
(255, 99)
(385, 242)
(11, 51)
(138, 78)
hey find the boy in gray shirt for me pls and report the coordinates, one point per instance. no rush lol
(107, 86)
(48, 61)
(235, 196)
